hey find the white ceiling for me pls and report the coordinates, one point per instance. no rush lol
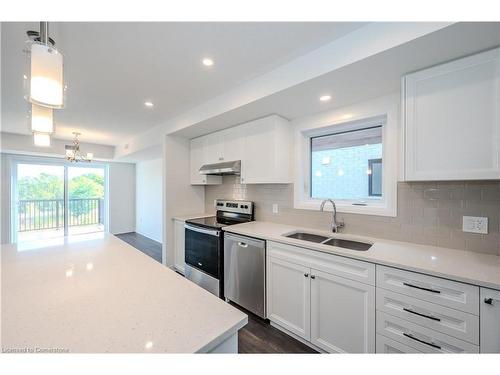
(372, 77)
(112, 68)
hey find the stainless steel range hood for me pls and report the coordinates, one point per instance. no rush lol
(221, 169)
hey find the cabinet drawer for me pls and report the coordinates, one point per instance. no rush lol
(352, 269)
(463, 297)
(452, 322)
(421, 338)
(386, 345)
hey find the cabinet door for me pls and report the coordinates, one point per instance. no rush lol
(490, 321)
(288, 296)
(267, 151)
(197, 160)
(179, 245)
(342, 314)
(452, 122)
(213, 148)
(232, 143)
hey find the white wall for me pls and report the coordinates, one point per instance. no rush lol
(148, 203)
(4, 198)
(121, 197)
(180, 198)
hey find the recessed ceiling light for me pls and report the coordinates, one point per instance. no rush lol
(325, 98)
(148, 104)
(207, 61)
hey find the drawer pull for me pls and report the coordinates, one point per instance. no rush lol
(420, 314)
(422, 341)
(422, 288)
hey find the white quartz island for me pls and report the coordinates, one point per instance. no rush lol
(102, 295)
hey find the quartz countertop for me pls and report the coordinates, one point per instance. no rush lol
(465, 266)
(98, 294)
(192, 216)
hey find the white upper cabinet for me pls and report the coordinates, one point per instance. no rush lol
(267, 151)
(263, 146)
(452, 122)
(198, 158)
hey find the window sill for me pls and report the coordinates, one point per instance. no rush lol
(373, 209)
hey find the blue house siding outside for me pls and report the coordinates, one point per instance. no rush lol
(342, 173)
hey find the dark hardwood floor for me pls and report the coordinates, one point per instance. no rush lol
(146, 245)
(258, 336)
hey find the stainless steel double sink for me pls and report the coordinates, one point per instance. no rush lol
(331, 241)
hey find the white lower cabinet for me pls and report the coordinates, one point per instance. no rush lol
(288, 296)
(334, 313)
(342, 314)
(490, 320)
(179, 233)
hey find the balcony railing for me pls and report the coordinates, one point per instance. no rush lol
(39, 214)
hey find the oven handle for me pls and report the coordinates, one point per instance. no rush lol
(202, 230)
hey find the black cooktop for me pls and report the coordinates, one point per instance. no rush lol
(208, 222)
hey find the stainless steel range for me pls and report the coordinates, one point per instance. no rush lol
(204, 247)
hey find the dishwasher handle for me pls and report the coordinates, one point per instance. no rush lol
(242, 244)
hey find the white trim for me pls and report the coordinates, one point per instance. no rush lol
(384, 109)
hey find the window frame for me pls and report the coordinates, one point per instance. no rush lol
(368, 115)
(370, 176)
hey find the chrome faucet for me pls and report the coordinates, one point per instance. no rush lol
(336, 225)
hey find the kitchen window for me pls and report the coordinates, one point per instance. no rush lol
(355, 163)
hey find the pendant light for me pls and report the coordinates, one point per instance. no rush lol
(45, 83)
(41, 139)
(42, 119)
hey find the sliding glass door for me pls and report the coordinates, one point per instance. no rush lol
(85, 200)
(40, 202)
(53, 200)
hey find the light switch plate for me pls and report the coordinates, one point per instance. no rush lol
(275, 208)
(475, 224)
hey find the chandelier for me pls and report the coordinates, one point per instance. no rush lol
(73, 153)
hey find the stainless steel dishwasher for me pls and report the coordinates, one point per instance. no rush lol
(245, 272)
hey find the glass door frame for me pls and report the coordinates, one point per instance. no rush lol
(17, 159)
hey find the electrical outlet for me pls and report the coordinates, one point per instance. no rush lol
(475, 224)
(275, 208)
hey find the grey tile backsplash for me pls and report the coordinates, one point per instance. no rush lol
(429, 213)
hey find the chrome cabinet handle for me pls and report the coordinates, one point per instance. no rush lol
(422, 288)
(306, 275)
(423, 315)
(410, 336)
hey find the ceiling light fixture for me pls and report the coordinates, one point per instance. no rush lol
(42, 120)
(149, 104)
(325, 98)
(73, 153)
(45, 86)
(41, 139)
(207, 61)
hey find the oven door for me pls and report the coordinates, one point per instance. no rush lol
(202, 249)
